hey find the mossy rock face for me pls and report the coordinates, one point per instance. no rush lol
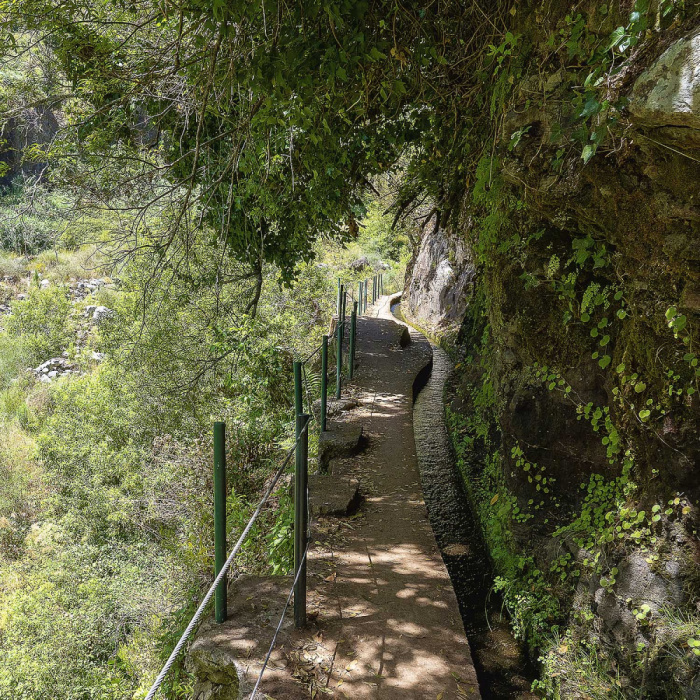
(636, 205)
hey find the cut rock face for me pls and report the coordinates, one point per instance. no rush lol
(333, 495)
(342, 440)
(668, 93)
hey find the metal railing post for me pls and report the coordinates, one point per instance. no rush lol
(301, 521)
(345, 299)
(220, 600)
(353, 331)
(339, 360)
(324, 381)
(366, 284)
(359, 299)
(340, 293)
(298, 405)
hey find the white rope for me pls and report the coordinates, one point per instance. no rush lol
(224, 570)
(279, 625)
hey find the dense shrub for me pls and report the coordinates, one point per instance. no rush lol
(44, 320)
(32, 218)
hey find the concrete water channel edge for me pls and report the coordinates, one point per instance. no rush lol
(502, 666)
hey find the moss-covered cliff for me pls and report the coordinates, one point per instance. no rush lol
(577, 419)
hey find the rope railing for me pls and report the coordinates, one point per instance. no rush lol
(279, 627)
(224, 570)
(218, 588)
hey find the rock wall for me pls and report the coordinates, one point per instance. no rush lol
(577, 416)
(439, 285)
(36, 126)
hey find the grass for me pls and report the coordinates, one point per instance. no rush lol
(12, 265)
(14, 357)
(577, 669)
(62, 266)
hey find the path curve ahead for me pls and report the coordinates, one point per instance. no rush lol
(384, 623)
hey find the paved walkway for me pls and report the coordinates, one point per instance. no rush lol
(384, 620)
(395, 622)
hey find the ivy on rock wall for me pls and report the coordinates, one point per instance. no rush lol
(578, 417)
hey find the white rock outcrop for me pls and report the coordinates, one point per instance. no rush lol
(668, 92)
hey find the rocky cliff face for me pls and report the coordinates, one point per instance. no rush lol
(577, 285)
(36, 126)
(440, 283)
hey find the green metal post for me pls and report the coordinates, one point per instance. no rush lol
(298, 405)
(220, 602)
(374, 289)
(345, 300)
(366, 284)
(340, 297)
(301, 521)
(339, 360)
(359, 299)
(353, 331)
(324, 381)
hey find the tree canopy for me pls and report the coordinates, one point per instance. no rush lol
(262, 120)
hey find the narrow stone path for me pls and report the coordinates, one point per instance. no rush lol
(384, 622)
(389, 609)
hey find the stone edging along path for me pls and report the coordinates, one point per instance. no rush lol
(383, 617)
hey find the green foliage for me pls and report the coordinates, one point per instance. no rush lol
(32, 218)
(90, 598)
(44, 320)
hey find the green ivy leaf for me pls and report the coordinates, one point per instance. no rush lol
(588, 152)
(616, 37)
(591, 107)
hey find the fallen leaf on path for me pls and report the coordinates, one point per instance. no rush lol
(351, 665)
(331, 578)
